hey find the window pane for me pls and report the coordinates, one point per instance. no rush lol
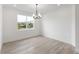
(29, 19)
(29, 25)
(30, 22)
(21, 19)
(21, 25)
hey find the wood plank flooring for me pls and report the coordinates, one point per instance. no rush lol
(37, 45)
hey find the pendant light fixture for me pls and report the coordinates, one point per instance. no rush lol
(36, 15)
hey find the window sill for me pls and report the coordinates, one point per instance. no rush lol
(25, 29)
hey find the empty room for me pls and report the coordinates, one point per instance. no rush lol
(39, 29)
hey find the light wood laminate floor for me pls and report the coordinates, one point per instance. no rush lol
(37, 45)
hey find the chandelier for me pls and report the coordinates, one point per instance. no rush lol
(36, 15)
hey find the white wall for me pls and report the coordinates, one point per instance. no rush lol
(73, 36)
(10, 31)
(0, 27)
(77, 28)
(58, 24)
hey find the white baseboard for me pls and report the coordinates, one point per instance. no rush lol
(59, 40)
(22, 38)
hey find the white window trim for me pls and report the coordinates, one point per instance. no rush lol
(28, 29)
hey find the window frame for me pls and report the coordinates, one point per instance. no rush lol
(26, 23)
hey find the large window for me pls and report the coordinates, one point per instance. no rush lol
(25, 22)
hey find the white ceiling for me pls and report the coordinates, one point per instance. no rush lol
(42, 8)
